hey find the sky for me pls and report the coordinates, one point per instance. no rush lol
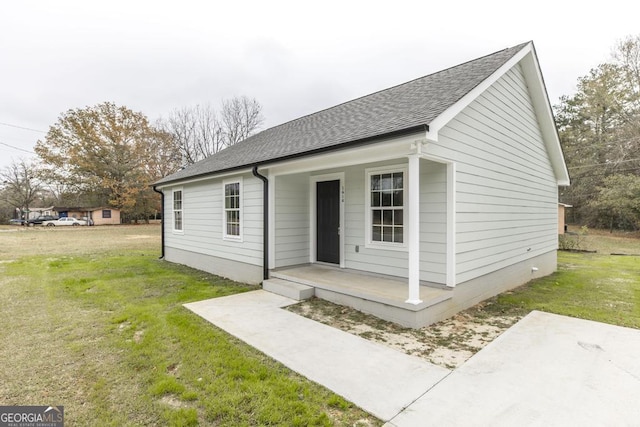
(294, 57)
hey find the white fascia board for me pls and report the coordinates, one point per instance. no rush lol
(225, 175)
(542, 106)
(391, 149)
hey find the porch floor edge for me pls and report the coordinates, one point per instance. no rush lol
(376, 289)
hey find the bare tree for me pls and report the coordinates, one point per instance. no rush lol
(20, 183)
(200, 131)
(240, 117)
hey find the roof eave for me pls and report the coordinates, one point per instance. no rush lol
(422, 128)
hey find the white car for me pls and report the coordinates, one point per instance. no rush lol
(64, 221)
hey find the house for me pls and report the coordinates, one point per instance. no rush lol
(410, 203)
(100, 215)
(34, 213)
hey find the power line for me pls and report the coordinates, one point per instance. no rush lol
(22, 127)
(16, 148)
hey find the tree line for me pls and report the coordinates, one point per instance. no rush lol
(599, 129)
(109, 155)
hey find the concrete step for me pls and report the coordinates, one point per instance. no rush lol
(286, 288)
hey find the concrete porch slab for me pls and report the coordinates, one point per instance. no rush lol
(372, 287)
(380, 380)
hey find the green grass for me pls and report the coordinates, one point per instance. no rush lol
(604, 288)
(106, 336)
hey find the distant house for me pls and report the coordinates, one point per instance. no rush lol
(34, 213)
(411, 203)
(562, 228)
(99, 215)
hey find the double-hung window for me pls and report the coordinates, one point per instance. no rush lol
(385, 214)
(177, 210)
(232, 215)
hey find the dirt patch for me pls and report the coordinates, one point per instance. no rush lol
(173, 401)
(448, 343)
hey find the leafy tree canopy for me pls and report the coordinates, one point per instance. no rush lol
(108, 150)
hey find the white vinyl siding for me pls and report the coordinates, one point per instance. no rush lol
(203, 210)
(366, 258)
(433, 221)
(506, 189)
(291, 220)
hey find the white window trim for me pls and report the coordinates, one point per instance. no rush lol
(226, 236)
(370, 244)
(173, 211)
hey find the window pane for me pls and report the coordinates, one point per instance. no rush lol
(387, 234)
(397, 198)
(375, 198)
(376, 217)
(232, 189)
(397, 180)
(387, 217)
(375, 182)
(398, 235)
(398, 217)
(177, 220)
(376, 234)
(386, 198)
(386, 181)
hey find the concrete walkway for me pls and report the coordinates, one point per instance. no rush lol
(376, 378)
(545, 370)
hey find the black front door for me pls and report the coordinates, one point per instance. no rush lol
(328, 221)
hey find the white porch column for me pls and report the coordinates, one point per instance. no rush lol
(413, 229)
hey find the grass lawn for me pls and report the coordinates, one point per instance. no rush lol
(92, 320)
(604, 288)
(596, 286)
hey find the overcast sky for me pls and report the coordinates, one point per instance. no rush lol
(294, 57)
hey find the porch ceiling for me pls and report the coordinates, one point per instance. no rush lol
(372, 287)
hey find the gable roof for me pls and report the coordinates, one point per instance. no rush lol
(405, 108)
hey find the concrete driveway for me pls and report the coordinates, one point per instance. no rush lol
(545, 370)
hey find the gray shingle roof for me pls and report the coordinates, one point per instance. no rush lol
(415, 103)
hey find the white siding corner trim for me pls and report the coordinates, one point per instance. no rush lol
(313, 238)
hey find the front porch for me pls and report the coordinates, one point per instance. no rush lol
(380, 295)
